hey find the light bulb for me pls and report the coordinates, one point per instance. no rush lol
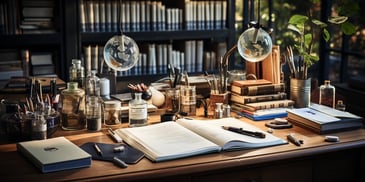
(121, 53)
(254, 44)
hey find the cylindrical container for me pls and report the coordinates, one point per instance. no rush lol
(104, 87)
(93, 113)
(172, 101)
(137, 111)
(39, 127)
(73, 107)
(111, 112)
(226, 110)
(92, 84)
(218, 112)
(188, 100)
(327, 94)
(300, 92)
(77, 73)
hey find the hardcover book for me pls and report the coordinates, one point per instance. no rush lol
(242, 99)
(322, 119)
(286, 103)
(258, 89)
(184, 138)
(54, 154)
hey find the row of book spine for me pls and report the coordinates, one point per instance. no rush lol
(155, 58)
(150, 15)
(27, 17)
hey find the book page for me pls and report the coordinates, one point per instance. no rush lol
(213, 131)
(166, 141)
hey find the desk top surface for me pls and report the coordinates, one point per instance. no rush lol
(16, 167)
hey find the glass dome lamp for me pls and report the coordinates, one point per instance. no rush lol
(253, 45)
(121, 53)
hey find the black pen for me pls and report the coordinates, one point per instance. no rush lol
(245, 132)
(293, 140)
(96, 147)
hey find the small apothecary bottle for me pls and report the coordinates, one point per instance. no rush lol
(137, 111)
(327, 94)
(112, 112)
(73, 107)
(93, 113)
(77, 72)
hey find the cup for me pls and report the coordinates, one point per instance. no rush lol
(188, 100)
(172, 101)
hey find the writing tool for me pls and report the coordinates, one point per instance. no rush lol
(114, 135)
(245, 132)
(96, 147)
(293, 140)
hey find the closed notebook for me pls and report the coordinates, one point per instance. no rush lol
(54, 154)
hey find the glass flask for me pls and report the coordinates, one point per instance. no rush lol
(327, 94)
(137, 111)
(92, 84)
(73, 107)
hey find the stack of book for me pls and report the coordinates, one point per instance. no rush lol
(259, 99)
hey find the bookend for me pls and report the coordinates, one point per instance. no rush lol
(129, 155)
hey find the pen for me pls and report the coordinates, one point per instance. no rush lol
(245, 132)
(96, 147)
(293, 140)
(114, 135)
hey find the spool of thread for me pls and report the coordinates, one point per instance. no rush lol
(104, 87)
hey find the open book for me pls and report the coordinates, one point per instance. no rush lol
(184, 138)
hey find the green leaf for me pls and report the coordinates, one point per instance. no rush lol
(298, 19)
(326, 35)
(319, 23)
(295, 29)
(307, 39)
(338, 19)
(348, 28)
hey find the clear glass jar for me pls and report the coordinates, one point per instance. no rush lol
(93, 113)
(340, 105)
(172, 102)
(327, 94)
(92, 84)
(112, 112)
(39, 127)
(137, 111)
(73, 107)
(77, 72)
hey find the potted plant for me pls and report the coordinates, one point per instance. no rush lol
(307, 29)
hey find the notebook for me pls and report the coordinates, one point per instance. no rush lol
(54, 154)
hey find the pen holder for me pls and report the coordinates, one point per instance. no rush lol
(300, 92)
(218, 98)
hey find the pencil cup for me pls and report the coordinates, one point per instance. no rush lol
(172, 101)
(300, 92)
(188, 100)
(217, 98)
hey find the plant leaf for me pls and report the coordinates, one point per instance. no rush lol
(326, 35)
(295, 29)
(338, 19)
(348, 28)
(307, 39)
(319, 23)
(298, 19)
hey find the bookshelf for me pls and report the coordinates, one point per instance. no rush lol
(70, 36)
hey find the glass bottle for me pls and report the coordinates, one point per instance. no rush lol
(137, 111)
(77, 72)
(92, 84)
(327, 94)
(73, 107)
(340, 105)
(39, 127)
(111, 112)
(93, 113)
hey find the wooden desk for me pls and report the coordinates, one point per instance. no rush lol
(315, 160)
